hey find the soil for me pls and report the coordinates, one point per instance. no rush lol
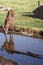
(4, 61)
(25, 31)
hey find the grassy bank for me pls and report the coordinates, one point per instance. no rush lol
(22, 7)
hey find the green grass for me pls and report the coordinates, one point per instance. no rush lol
(20, 6)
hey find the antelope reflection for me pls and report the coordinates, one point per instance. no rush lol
(9, 47)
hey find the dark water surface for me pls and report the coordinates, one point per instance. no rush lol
(24, 50)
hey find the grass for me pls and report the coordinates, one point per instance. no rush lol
(20, 6)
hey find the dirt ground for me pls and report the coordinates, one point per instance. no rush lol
(26, 32)
(4, 61)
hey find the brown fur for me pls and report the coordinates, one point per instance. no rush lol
(9, 21)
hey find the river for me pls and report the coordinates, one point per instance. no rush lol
(24, 50)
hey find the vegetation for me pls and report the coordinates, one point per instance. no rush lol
(22, 7)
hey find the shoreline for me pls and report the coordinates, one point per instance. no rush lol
(6, 61)
(25, 32)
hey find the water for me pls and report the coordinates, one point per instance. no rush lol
(24, 50)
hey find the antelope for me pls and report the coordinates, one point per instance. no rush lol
(9, 21)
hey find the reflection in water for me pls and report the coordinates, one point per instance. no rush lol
(9, 47)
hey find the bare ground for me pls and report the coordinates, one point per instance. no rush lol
(4, 61)
(26, 32)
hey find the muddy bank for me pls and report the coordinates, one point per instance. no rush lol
(4, 61)
(26, 32)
